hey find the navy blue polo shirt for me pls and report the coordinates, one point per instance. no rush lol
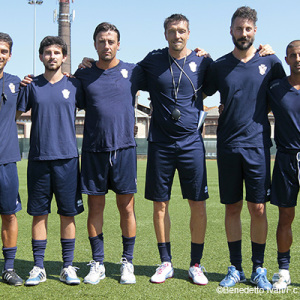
(243, 88)
(285, 105)
(157, 66)
(53, 112)
(9, 146)
(110, 99)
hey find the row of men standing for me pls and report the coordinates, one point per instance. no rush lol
(177, 80)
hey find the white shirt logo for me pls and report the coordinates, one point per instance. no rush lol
(12, 87)
(66, 93)
(124, 73)
(193, 66)
(262, 69)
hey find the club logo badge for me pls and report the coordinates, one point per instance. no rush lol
(12, 87)
(66, 93)
(193, 66)
(262, 69)
(124, 73)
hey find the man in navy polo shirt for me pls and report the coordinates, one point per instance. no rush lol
(53, 166)
(243, 141)
(109, 148)
(174, 77)
(9, 154)
(285, 104)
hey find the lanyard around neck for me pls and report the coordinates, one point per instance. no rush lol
(176, 89)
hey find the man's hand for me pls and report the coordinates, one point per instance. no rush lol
(265, 50)
(221, 108)
(27, 80)
(86, 63)
(201, 52)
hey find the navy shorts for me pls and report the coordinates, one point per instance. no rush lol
(164, 159)
(10, 202)
(285, 180)
(115, 170)
(59, 177)
(236, 165)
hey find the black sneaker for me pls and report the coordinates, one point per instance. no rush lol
(11, 277)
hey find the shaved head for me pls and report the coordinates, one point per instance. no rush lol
(291, 45)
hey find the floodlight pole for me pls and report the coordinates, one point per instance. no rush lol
(34, 2)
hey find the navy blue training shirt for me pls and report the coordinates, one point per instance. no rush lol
(110, 99)
(285, 105)
(53, 112)
(156, 65)
(9, 145)
(243, 88)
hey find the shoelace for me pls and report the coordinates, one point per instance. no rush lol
(160, 269)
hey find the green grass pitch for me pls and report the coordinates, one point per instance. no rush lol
(215, 258)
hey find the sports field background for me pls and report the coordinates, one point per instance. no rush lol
(146, 257)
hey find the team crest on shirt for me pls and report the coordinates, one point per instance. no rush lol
(12, 87)
(66, 93)
(262, 69)
(193, 66)
(124, 73)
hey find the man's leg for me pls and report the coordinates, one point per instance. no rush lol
(284, 241)
(96, 204)
(9, 234)
(39, 242)
(198, 223)
(162, 227)
(258, 232)
(125, 205)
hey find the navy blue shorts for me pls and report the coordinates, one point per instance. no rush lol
(285, 180)
(237, 165)
(164, 159)
(59, 177)
(10, 202)
(115, 170)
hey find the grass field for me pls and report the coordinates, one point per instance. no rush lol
(215, 257)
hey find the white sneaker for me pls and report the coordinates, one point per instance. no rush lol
(97, 272)
(127, 272)
(69, 275)
(196, 274)
(281, 279)
(36, 276)
(163, 272)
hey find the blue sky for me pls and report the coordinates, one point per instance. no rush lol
(141, 26)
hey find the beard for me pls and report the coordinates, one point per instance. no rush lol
(248, 42)
(52, 68)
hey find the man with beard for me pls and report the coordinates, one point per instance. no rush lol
(9, 154)
(53, 166)
(285, 105)
(243, 141)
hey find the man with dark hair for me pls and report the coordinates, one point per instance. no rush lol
(174, 77)
(53, 166)
(109, 148)
(285, 105)
(243, 141)
(10, 202)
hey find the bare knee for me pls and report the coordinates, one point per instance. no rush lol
(8, 219)
(233, 210)
(286, 216)
(257, 210)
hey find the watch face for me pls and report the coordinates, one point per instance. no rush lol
(176, 114)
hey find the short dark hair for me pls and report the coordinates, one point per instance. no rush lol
(4, 37)
(53, 40)
(104, 27)
(176, 18)
(245, 12)
(293, 44)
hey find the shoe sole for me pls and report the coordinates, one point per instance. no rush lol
(69, 282)
(127, 282)
(94, 282)
(171, 276)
